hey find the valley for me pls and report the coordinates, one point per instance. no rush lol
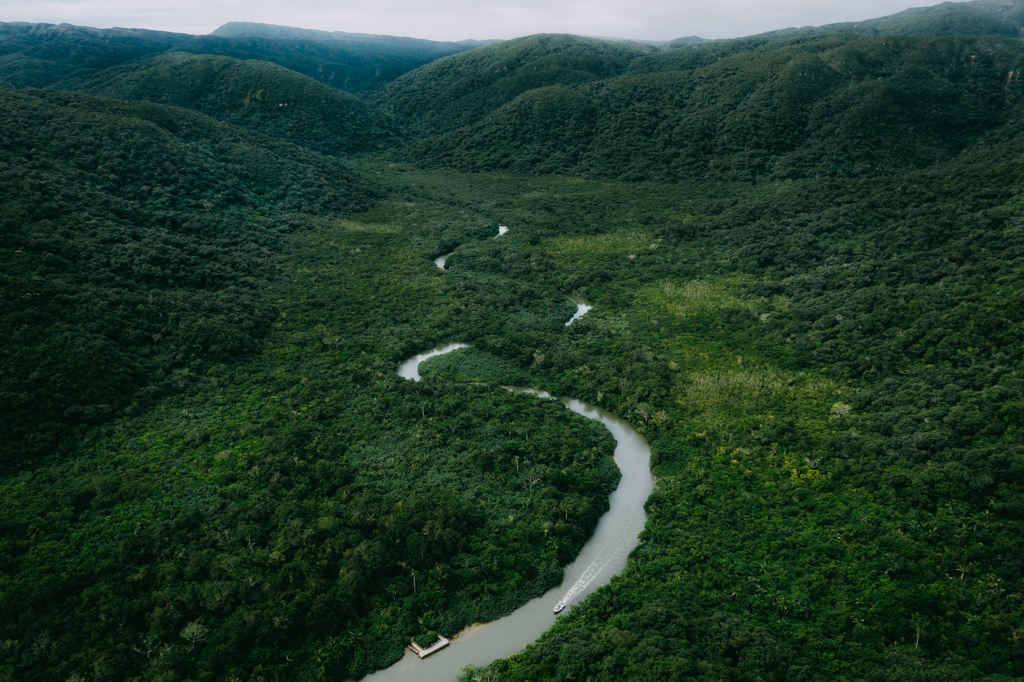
(801, 261)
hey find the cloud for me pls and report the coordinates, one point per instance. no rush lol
(459, 19)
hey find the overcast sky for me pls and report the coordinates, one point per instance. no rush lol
(461, 19)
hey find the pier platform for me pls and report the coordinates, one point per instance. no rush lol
(441, 643)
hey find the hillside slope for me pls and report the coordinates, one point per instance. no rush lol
(979, 18)
(39, 55)
(208, 465)
(257, 95)
(463, 88)
(397, 44)
(1004, 18)
(836, 105)
(138, 238)
(49, 55)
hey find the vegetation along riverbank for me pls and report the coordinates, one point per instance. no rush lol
(804, 253)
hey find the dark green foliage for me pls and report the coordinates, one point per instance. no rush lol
(463, 89)
(1004, 18)
(257, 95)
(471, 365)
(981, 18)
(844, 106)
(397, 45)
(48, 55)
(137, 241)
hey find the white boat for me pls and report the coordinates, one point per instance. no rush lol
(560, 605)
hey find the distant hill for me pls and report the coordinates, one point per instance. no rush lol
(686, 40)
(348, 61)
(247, 29)
(253, 94)
(39, 55)
(842, 105)
(48, 55)
(979, 18)
(838, 105)
(463, 88)
(137, 238)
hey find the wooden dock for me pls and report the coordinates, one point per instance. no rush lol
(441, 643)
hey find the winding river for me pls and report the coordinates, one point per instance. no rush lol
(443, 258)
(602, 557)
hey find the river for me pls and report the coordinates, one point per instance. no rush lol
(443, 258)
(602, 557)
(581, 310)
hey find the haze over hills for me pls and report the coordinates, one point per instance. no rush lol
(43, 55)
(805, 256)
(247, 29)
(980, 18)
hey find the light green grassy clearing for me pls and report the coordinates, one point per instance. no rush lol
(689, 297)
(611, 243)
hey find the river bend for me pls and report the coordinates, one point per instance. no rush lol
(603, 556)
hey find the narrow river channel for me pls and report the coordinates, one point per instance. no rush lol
(443, 258)
(602, 557)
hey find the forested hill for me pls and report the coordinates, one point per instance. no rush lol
(994, 18)
(1003, 18)
(40, 55)
(462, 89)
(253, 94)
(138, 238)
(833, 105)
(49, 55)
(398, 44)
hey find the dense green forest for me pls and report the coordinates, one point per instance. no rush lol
(383, 44)
(49, 55)
(138, 239)
(805, 253)
(260, 96)
(456, 91)
(199, 357)
(836, 105)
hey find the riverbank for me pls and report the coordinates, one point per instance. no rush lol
(602, 557)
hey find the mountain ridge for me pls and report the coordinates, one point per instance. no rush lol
(837, 105)
(42, 55)
(259, 95)
(249, 29)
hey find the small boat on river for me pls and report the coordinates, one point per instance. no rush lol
(559, 606)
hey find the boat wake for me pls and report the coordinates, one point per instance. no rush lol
(589, 574)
